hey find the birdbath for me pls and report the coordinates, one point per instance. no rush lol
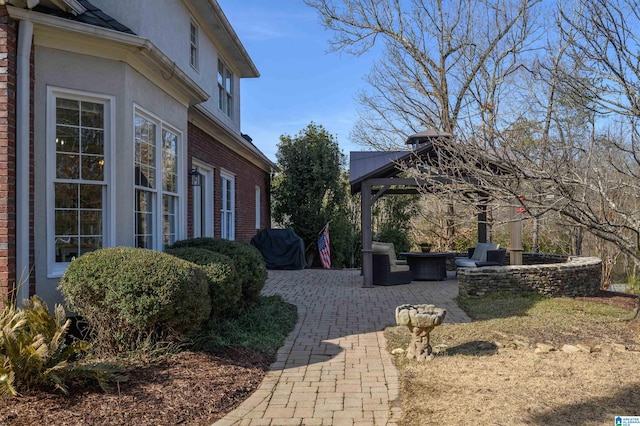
(421, 320)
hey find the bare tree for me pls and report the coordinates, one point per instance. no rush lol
(437, 56)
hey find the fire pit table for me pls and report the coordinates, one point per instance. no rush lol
(427, 266)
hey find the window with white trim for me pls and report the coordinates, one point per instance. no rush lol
(157, 197)
(193, 45)
(258, 207)
(79, 140)
(227, 213)
(225, 89)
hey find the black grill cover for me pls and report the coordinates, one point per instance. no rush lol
(280, 248)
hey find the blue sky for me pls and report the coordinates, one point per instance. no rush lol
(300, 80)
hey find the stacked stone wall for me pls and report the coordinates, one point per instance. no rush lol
(576, 276)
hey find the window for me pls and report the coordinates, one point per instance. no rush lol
(156, 183)
(258, 206)
(169, 187)
(193, 45)
(225, 89)
(228, 206)
(78, 129)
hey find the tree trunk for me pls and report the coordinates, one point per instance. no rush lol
(535, 247)
(578, 236)
(451, 227)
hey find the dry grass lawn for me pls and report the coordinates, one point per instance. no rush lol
(489, 373)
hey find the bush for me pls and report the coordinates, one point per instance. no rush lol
(248, 262)
(134, 297)
(399, 238)
(225, 289)
(34, 352)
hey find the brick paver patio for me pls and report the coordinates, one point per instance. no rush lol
(334, 368)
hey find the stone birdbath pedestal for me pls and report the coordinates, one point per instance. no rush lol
(421, 320)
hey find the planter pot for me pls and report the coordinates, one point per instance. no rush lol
(425, 249)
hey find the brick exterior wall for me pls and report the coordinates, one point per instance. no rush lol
(207, 149)
(8, 44)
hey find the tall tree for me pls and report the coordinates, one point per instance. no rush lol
(308, 190)
(442, 61)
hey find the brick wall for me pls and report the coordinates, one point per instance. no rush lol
(207, 149)
(8, 43)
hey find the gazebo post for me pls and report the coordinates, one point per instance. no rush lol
(515, 249)
(367, 237)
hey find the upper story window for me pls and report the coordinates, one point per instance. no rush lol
(79, 143)
(225, 89)
(193, 45)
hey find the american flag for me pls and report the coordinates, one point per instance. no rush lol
(324, 247)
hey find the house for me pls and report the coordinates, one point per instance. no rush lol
(109, 112)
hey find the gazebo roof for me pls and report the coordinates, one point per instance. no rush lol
(365, 165)
(372, 164)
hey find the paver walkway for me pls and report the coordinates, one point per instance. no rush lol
(334, 368)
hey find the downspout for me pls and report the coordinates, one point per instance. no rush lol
(23, 121)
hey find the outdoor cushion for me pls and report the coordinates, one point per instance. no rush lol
(465, 262)
(385, 248)
(480, 253)
(398, 268)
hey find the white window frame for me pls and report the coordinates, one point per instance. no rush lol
(158, 193)
(227, 215)
(208, 183)
(258, 208)
(56, 269)
(194, 51)
(225, 97)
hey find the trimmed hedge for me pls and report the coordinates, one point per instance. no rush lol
(249, 264)
(225, 289)
(133, 297)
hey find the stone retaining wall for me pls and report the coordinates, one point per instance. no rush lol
(577, 276)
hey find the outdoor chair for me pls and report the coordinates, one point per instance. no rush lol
(494, 258)
(387, 269)
(478, 254)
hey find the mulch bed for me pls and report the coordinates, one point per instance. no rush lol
(189, 388)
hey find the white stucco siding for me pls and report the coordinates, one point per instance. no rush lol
(166, 24)
(127, 88)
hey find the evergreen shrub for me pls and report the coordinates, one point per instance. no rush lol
(225, 289)
(132, 298)
(248, 263)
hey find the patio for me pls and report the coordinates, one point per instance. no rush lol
(334, 368)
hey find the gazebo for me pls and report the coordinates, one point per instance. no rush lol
(377, 173)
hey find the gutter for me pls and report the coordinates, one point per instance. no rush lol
(23, 121)
(144, 49)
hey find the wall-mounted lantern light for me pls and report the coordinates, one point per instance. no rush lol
(196, 177)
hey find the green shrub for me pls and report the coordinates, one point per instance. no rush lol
(399, 238)
(133, 298)
(34, 352)
(225, 289)
(247, 260)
